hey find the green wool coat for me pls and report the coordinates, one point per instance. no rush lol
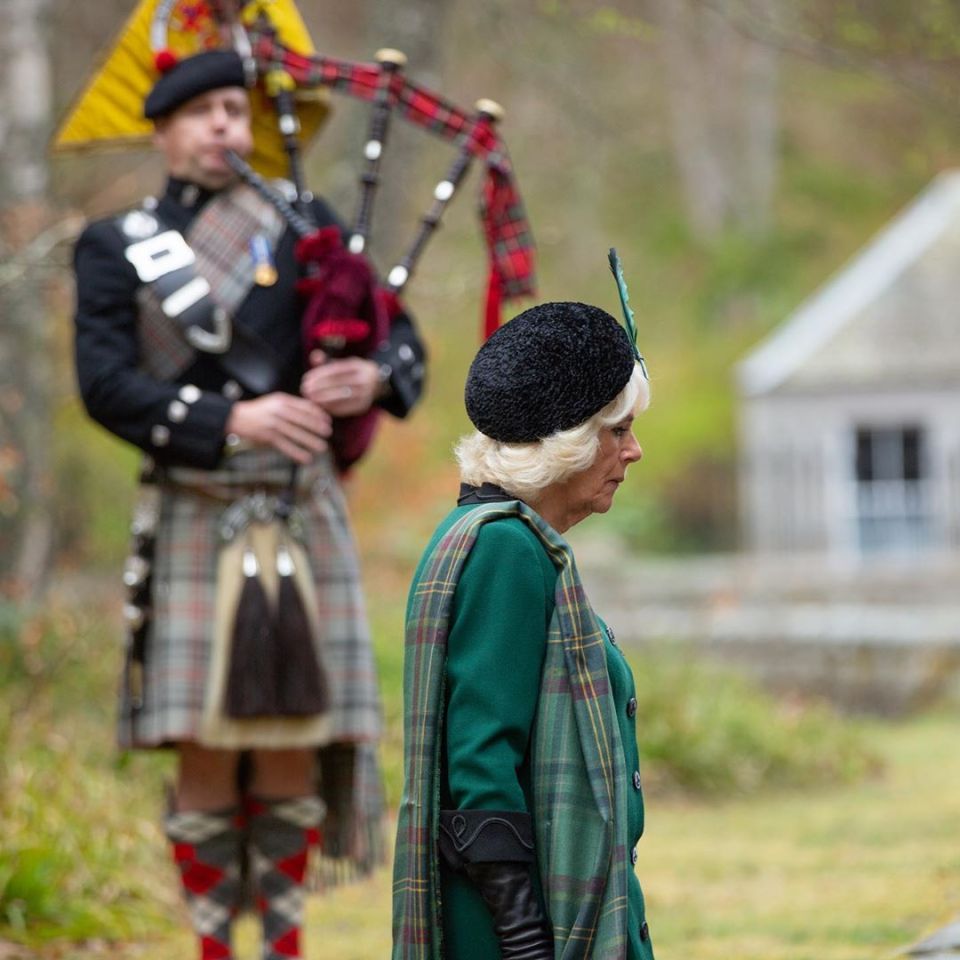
(502, 609)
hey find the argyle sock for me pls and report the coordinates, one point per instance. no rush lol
(206, 848)
(281, 832)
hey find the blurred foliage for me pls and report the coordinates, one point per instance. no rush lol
(94, 493)
(878, 28)
(78, 847)
(707, 731)
(918, 53)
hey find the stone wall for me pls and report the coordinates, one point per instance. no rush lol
(883, 639)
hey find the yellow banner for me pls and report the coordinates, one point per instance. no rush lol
(109, 110)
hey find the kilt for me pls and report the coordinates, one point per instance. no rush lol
(180, 640)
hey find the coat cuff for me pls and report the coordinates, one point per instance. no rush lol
(191, 429)
(402, 361)
(485, 836)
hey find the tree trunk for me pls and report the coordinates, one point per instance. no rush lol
(721, 92)
(25, 442)
(695, 146)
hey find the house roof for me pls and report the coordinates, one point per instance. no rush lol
(890, 312)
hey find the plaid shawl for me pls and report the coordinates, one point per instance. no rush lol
(579, 780)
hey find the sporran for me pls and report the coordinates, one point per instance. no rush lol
(270, 541)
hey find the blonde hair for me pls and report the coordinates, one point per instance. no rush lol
(524, 469)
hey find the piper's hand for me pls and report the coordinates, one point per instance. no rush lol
(344, 387)
(294, 426)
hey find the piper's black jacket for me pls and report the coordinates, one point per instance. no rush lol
(137, 407)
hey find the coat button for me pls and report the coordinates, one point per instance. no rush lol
(177, 411)
(644, 932)
(636, 779)
(632, 707)
(634, 856)
(159, 435)
(232, 390)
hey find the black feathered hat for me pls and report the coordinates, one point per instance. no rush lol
(190, 77)
(550, 368)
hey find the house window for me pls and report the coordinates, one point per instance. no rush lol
(893, 496)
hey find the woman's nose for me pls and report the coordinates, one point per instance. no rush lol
(632, 451)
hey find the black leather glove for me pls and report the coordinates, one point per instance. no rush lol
(495, 850)
(518, 919)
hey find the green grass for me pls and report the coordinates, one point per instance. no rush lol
(847, 873)
(77, 850)
(852, 872)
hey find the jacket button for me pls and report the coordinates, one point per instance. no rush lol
(232, 390)
(636, 779)
(644, 932)
(159, 435)
(634, 856)
(632, 707)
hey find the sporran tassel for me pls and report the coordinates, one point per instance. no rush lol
(252, 678)
(302, 687)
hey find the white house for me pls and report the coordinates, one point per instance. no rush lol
(850, 410)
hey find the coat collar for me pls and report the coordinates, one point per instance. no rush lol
(485, 493)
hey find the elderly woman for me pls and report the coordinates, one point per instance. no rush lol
(522, 803)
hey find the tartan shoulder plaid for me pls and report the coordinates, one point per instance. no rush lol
(580, 783)
(219, 237)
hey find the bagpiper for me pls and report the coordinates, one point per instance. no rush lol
(246, 616)
(233, 330)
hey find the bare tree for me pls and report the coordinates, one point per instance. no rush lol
(722, 92)
(417, 28)
(25, 450)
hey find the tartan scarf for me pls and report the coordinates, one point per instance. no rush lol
(507, 231)
(220, 238)
(579, 779)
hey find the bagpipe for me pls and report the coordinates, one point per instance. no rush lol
(286, 73)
